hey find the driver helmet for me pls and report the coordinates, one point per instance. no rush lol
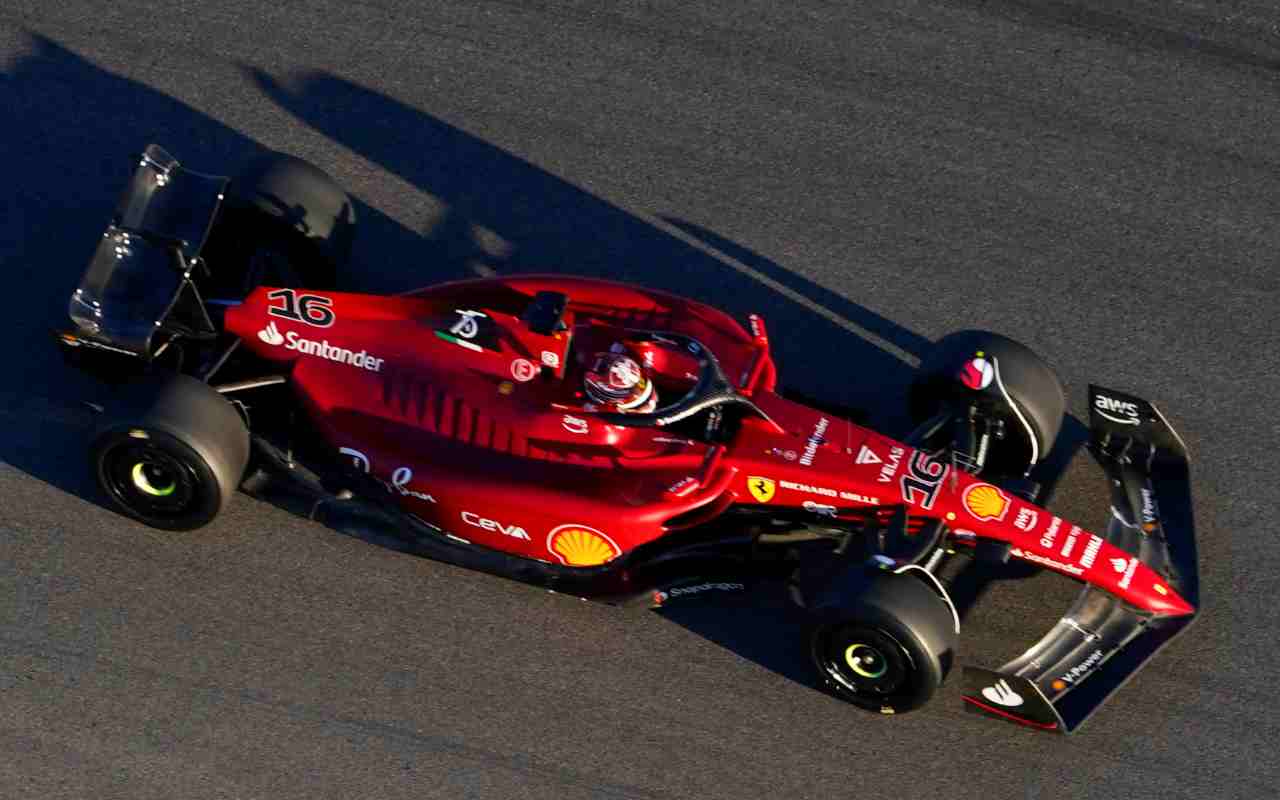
(618, 382)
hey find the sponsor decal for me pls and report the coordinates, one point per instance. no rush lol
(860, 498)
(514, 531)
(1091, 551)
(867, 456)
(459, 342)
(309, 309)
(400, 483)
(925, 474)
(985, 502)
(1128, 573)
(1161, 590)
(468, 324)
(977, 373)
(1122, 412)
(322, 349)
(523, 370)
(1070, 569)
(827, 492)
(1070, 543)
(1026, 519)
(762, 489)
(1149, 512)
(359, 460)
(821, 509)
(271, 334)
(574, 424)
(787, 455)
(1118, 564)
(1089, 636)
(1050, 534)
(683, 486)
(661, 597)
(890, 467)
(1002, 695)
(551, 359)
(1080, 670)
(815, 439)
(580, 546)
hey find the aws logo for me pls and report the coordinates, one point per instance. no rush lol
(1122, 412)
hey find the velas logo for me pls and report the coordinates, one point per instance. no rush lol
(762, 489)
(580, 546)
(985, 502)
(322, 349)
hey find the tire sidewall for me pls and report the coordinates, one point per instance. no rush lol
(921, 682)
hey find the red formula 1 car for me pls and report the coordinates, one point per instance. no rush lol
(610, 441)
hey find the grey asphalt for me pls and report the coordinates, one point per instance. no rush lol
(1097, 179)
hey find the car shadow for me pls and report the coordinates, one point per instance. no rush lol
(483, 211)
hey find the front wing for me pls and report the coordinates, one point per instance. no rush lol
(1102, 641)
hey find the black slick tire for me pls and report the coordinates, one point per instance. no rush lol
(170, 453)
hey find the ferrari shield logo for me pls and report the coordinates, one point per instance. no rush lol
(762, 489)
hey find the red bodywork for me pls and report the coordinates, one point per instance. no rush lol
(481, 430)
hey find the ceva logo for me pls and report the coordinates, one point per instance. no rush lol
(271, 334)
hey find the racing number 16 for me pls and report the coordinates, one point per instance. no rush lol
(921, 485)
(308, 308)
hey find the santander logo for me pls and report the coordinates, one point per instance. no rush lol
(292, 341)
(270, 334)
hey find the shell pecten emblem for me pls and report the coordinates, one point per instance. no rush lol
(580, 546)
(985, 502)
(762, 489)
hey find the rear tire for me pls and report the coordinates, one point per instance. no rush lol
(285, 222)
(171, 453)
(887, 648)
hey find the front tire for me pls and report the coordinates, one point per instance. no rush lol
(888, 648)
(171, 453)
(1003, 377)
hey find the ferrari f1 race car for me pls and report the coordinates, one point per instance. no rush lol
(611, 441)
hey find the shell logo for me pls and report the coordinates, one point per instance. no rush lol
(985, 502)
(580, 546)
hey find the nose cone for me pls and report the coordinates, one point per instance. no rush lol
(1163, 600)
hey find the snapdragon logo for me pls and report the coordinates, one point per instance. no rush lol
(292, 341)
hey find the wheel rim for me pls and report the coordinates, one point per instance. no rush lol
(866, 662)
(149, 481)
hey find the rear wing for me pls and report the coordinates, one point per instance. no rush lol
(142, 265)
(1102, 641)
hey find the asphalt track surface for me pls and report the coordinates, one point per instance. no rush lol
(1097, 179)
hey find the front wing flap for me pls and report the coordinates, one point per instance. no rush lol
(1102, 641)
